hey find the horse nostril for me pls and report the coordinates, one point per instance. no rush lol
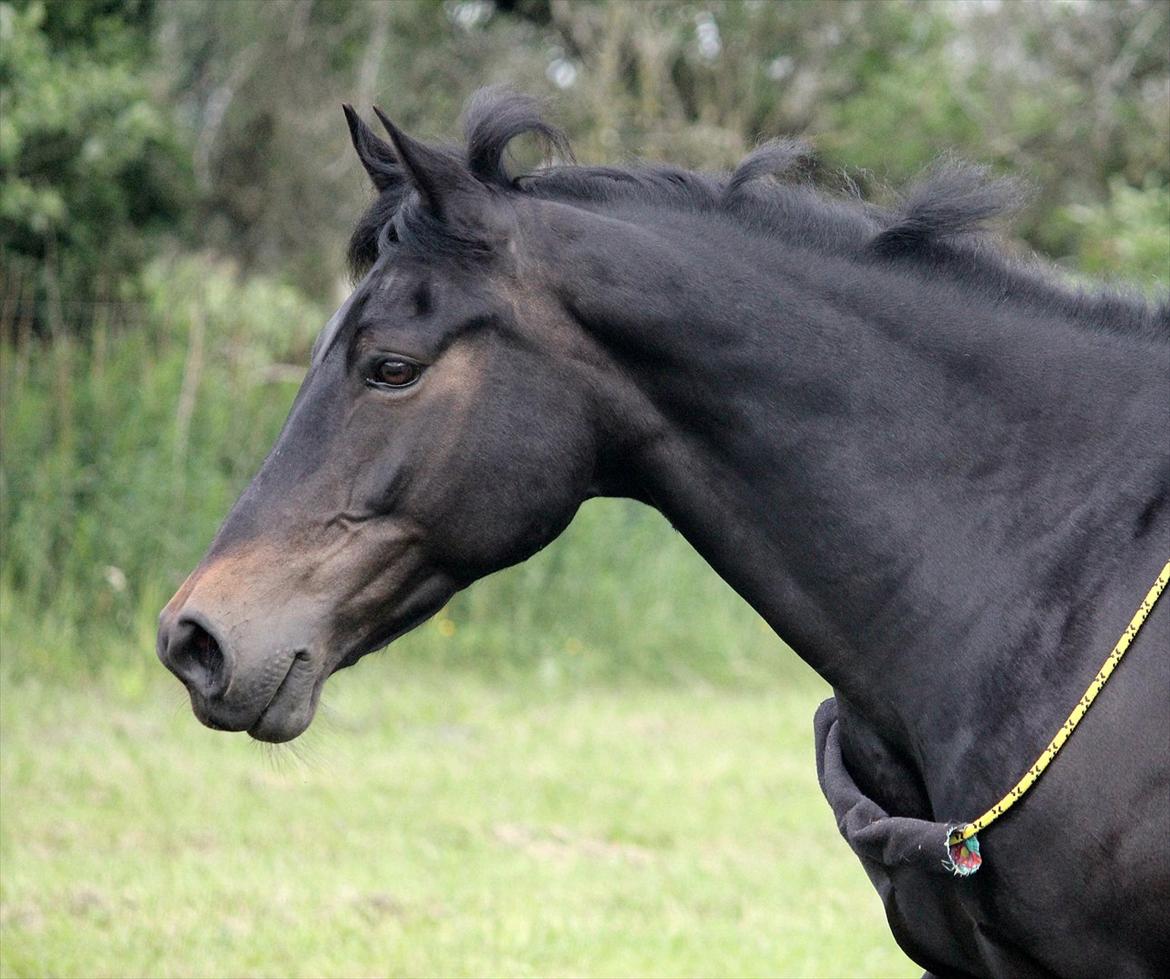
(195, 657)
(206, 650)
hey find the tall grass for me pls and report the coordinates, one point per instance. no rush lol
(121, 450)
(124, 451)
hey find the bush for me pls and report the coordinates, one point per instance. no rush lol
(124, 450)
(92, 166)
(1126, 237)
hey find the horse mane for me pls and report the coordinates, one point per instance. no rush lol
(939, 227)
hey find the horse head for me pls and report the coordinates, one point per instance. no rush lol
(448, 426)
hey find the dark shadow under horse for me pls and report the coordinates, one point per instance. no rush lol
(941, 476)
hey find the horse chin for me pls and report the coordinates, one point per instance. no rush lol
(278, 726)
(294, 701)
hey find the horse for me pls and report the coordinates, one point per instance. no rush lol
(937, 470)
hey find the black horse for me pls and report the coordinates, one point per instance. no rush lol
(941, 476)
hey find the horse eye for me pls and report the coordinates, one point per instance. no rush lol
(392, 372)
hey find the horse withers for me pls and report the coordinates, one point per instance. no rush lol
(941, 476)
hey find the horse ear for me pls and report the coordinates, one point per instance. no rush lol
(436, 175)
(376, 155)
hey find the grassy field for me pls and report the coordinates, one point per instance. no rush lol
(430, 824)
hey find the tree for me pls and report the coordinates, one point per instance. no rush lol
(91, 165)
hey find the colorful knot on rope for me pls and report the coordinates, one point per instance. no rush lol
(963, 857)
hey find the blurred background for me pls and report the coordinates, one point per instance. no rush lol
(598, 762)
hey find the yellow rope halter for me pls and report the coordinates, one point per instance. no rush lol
(965, 833)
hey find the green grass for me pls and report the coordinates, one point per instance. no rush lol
(431, 823)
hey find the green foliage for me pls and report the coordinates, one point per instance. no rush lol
(1126, 237)
(114, 109)
(1066, 96)
(122, 452)
(261, 85)
(91, 164)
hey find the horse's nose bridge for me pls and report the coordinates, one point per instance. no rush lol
(192, 630)
(225, 588)
(252, 598)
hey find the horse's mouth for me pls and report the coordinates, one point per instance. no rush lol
(293, 703)
(273, 692)
(288, 706)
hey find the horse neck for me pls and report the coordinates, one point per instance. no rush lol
(913, 487)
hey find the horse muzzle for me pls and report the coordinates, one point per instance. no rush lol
(274, 698)
(244, 670)
(254, 632)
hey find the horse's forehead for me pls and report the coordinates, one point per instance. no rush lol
(378, 278)
(386, 285)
